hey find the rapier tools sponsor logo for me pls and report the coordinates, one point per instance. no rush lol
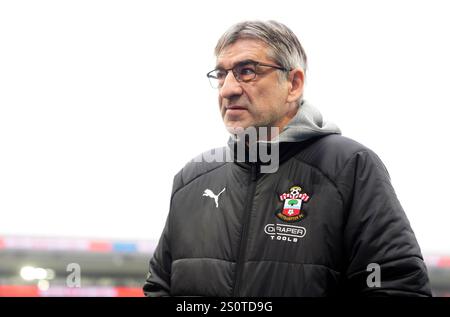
(287, 233)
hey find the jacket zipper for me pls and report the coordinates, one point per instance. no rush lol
(243, 243)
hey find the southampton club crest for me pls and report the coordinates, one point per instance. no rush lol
(292, 207)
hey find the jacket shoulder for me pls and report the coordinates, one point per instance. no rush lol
(331, 153)
(201, 165)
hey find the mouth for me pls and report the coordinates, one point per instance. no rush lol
(235, 108)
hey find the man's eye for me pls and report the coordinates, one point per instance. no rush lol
(247, 71)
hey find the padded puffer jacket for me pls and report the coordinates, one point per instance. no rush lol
(326, 223)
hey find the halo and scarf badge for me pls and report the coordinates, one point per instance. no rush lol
(292, 208)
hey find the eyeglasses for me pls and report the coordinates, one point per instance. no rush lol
(243, 72)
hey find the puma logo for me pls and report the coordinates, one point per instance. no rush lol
(209, 193)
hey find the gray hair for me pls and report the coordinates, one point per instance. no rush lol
(285, 48)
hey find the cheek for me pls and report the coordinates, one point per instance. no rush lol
(256, 98)
(263, 102)
(220, 100)
(276, 99)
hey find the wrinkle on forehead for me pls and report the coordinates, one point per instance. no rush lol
(241, 50)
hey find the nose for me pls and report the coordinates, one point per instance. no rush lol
(231, 87)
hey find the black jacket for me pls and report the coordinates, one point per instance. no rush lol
(316, 227)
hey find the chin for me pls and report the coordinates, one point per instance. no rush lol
(235, 127)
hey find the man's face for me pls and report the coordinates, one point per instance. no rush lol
(258, 103)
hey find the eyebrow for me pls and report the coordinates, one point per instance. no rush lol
(245, 61)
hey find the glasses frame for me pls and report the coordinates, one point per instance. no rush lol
(236, 74)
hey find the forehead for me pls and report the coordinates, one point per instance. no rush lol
(243, 49)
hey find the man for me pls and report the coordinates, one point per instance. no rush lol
(324, 222)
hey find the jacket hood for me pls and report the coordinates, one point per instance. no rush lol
(307, 123)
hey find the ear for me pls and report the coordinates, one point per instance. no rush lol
(296, 82)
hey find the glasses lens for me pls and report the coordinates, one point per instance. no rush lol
(246, 72)
(217, 77)
(242, 72)
(213, 82)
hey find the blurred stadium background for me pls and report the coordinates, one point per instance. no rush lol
(39, 267)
